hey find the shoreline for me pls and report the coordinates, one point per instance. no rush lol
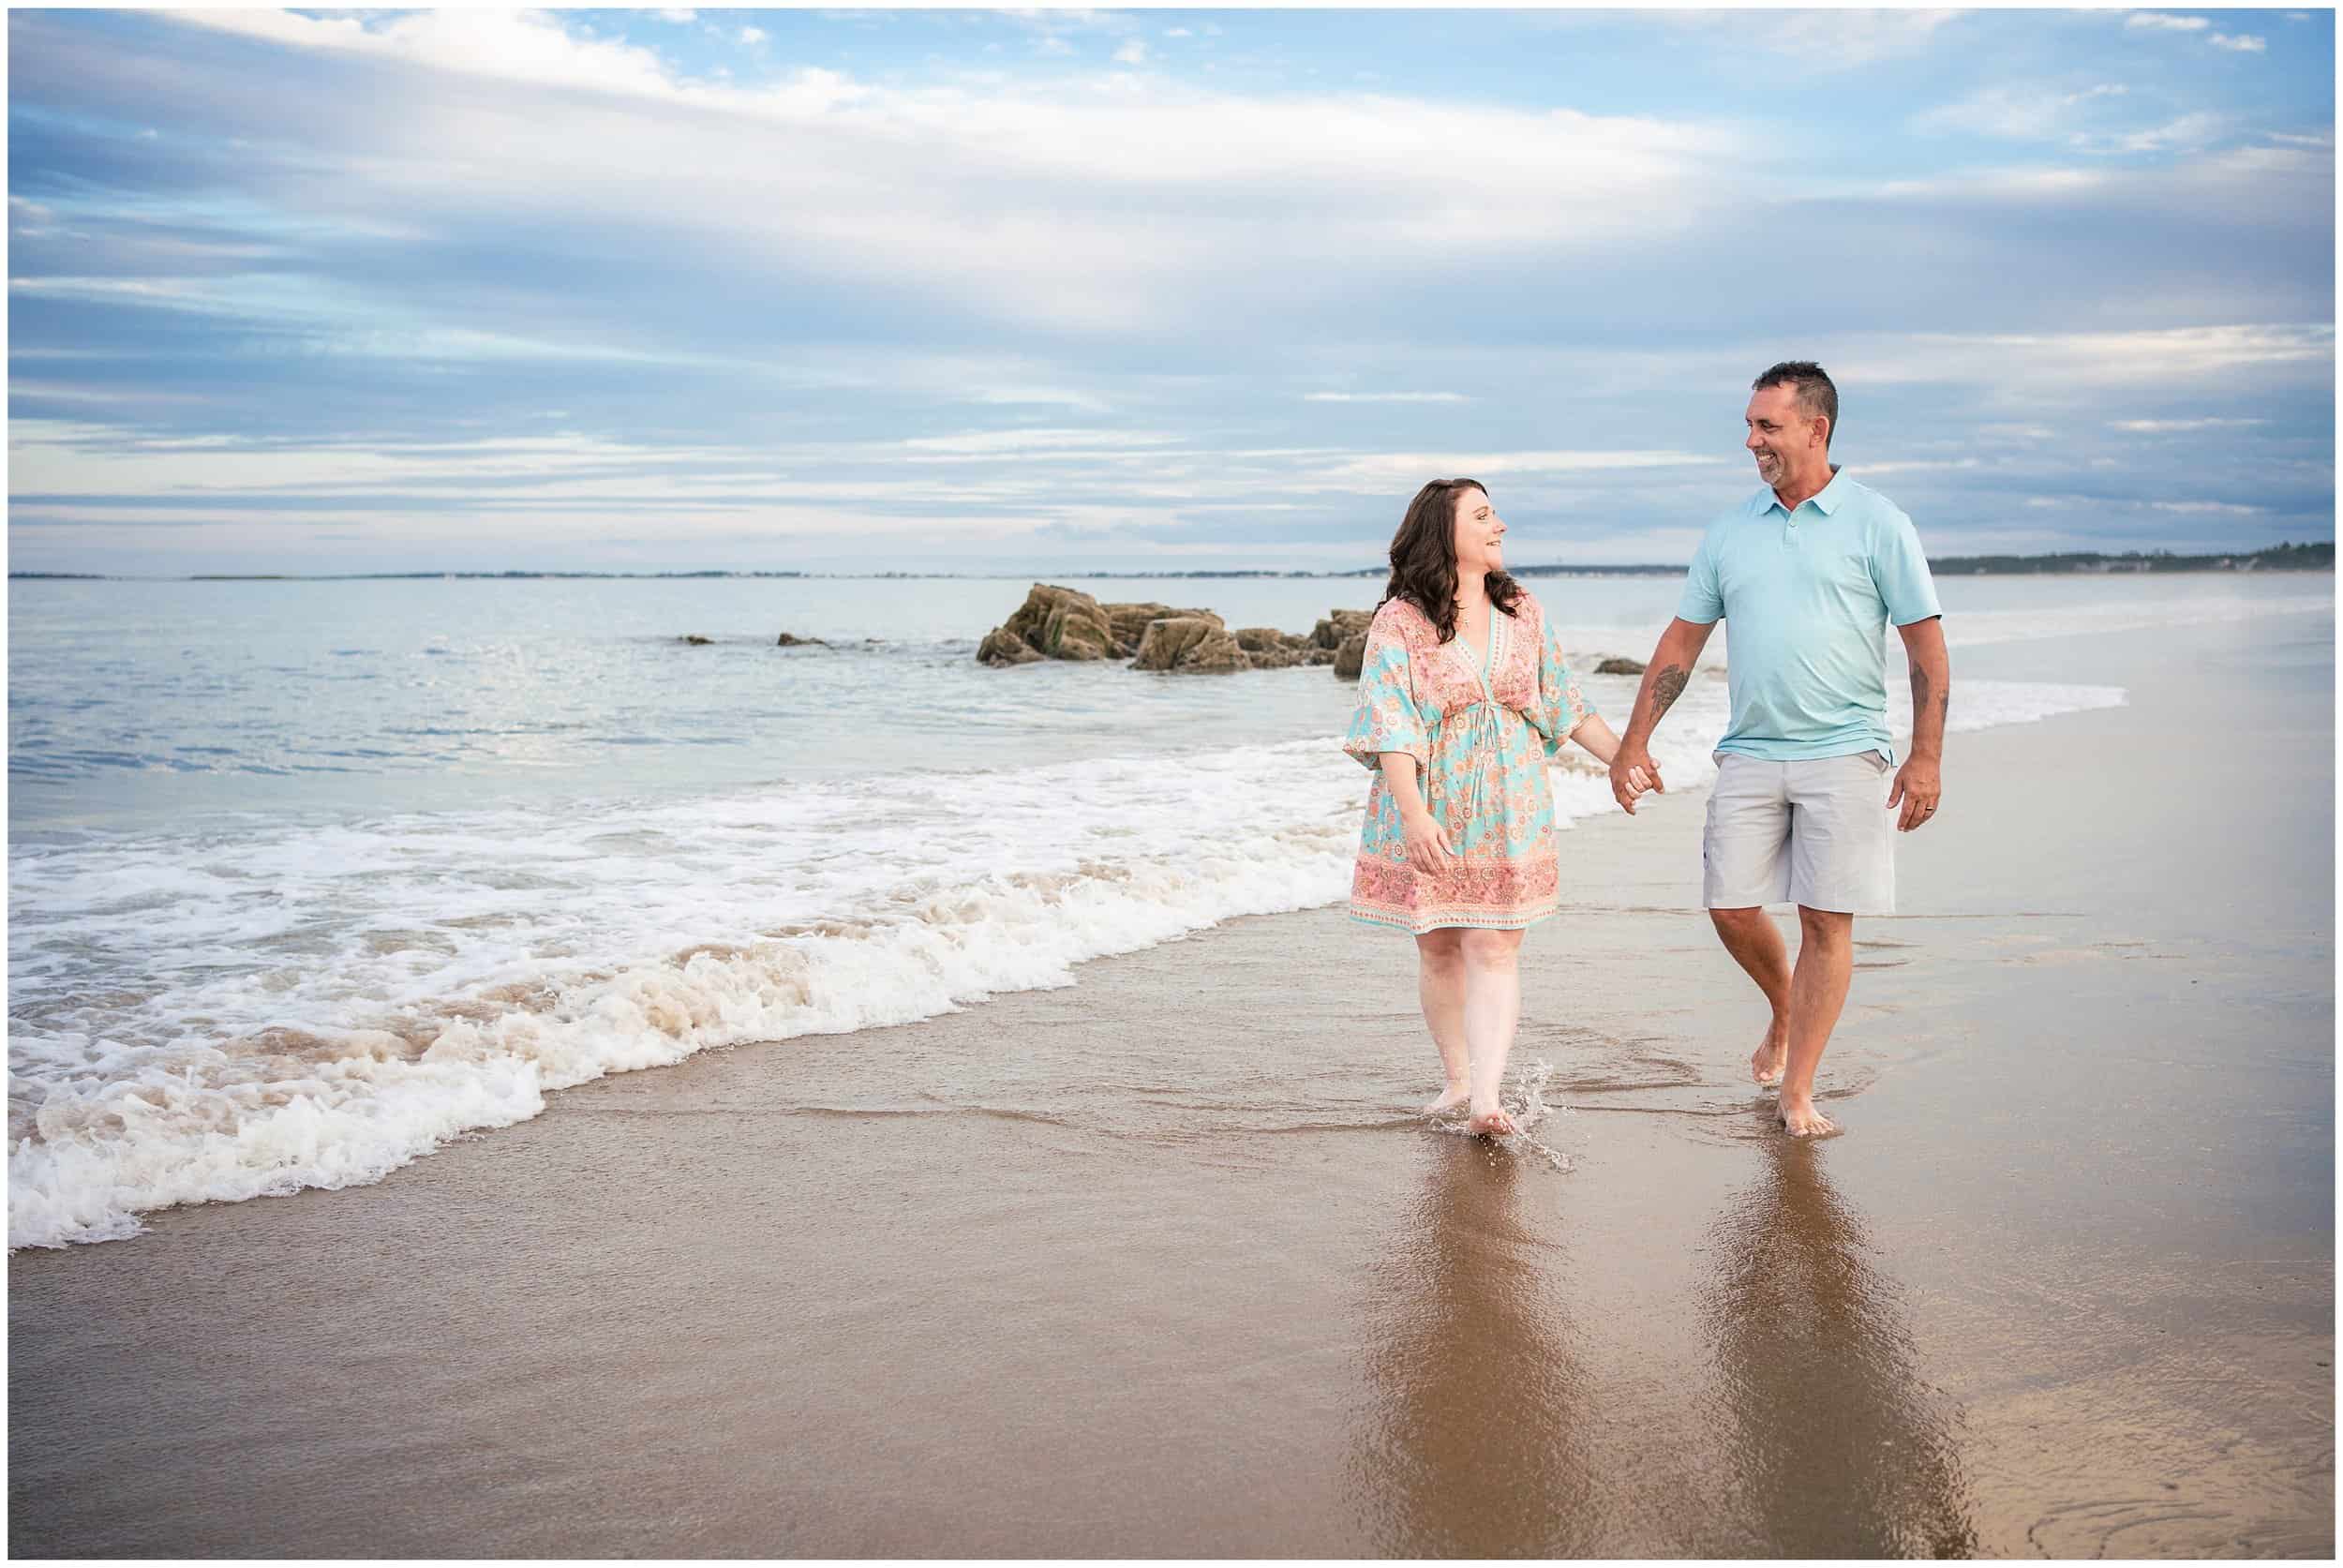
(1079, 1270)
(1950, 566)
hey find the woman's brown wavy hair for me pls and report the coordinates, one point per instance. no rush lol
(1423, 558)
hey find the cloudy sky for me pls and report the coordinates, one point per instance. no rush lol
(677, 289)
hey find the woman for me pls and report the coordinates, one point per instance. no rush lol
(1462, 699)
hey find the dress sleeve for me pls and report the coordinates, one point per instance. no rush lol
(1387, 718)
(1561, 707)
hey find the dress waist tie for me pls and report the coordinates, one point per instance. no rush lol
(1482, 721)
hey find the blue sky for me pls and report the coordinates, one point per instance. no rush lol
(679, 290)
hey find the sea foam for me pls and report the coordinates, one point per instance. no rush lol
(261, 1007)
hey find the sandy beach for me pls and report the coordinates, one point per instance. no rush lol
(1163, 1264)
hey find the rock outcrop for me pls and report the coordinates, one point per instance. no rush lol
(1619, 667)
(1002, 647)
(1053, 623)
(790, 640)
(1350, 657)
(1131, 622)
(1331, 633)
(1065, 623)
(1191, 644)
(1271, 650)
(695, 639)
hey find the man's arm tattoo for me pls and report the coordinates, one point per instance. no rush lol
(1920, 693)
(1666, 690)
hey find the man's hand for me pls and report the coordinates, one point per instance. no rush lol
(1919, 784)
(1632, 772)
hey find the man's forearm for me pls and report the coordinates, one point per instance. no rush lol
(1664, 682)
(1931, 672)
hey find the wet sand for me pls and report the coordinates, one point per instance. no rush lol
(1162, 1264)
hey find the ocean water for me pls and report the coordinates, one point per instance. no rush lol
(305, 879)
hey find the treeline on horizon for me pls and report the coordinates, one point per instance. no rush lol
(2317, 556)
(2277, 558)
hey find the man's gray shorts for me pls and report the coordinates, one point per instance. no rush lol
(1816, 832)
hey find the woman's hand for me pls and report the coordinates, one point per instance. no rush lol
(1427, 843)
(1428, 849)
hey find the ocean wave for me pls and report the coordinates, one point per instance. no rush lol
(263, 1006)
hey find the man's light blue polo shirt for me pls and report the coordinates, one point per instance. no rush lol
(1810, 594)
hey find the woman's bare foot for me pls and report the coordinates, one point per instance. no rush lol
(1450, 1097)
(1492, 1123)
(1771, 1058)
(1800, 1118)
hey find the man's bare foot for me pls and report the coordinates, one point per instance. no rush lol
(1450, 1097)
(1771, 1058)
(1800, 1118)
(1492, 1123)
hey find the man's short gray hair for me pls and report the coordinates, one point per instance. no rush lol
(1813, 385)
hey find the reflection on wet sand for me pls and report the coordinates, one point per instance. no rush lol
(1837, 1446)
(1473, 1443)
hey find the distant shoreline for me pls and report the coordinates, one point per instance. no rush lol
(2280, 557)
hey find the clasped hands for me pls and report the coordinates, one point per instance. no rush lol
(1633, 775)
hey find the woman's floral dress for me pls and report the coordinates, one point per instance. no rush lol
(1481, 736)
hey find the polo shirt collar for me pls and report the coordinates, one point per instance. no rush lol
(1825, 500)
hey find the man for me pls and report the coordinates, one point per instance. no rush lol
(1810, 570)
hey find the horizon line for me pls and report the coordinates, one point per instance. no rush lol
(1542, 568)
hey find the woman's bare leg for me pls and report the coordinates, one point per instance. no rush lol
(1492, 1010)
(1441, 984)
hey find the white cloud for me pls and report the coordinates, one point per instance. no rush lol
(1383, 472)
(2002, 184)
(1027, 444)
(517, 46)
(1132, 54)
(1919, 465)
(1042, 396)
(2016, 113)
(1821, 39)
(1055, 20)
(752, 36)
(1032, 200)
(1177, 33)
(2168, 426)
(1384, 397)
(548, 482)
(2187, 133)
(678, 14)
(2167, 21)
(2207, 508)
(2243, 44)
(2064, 363)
